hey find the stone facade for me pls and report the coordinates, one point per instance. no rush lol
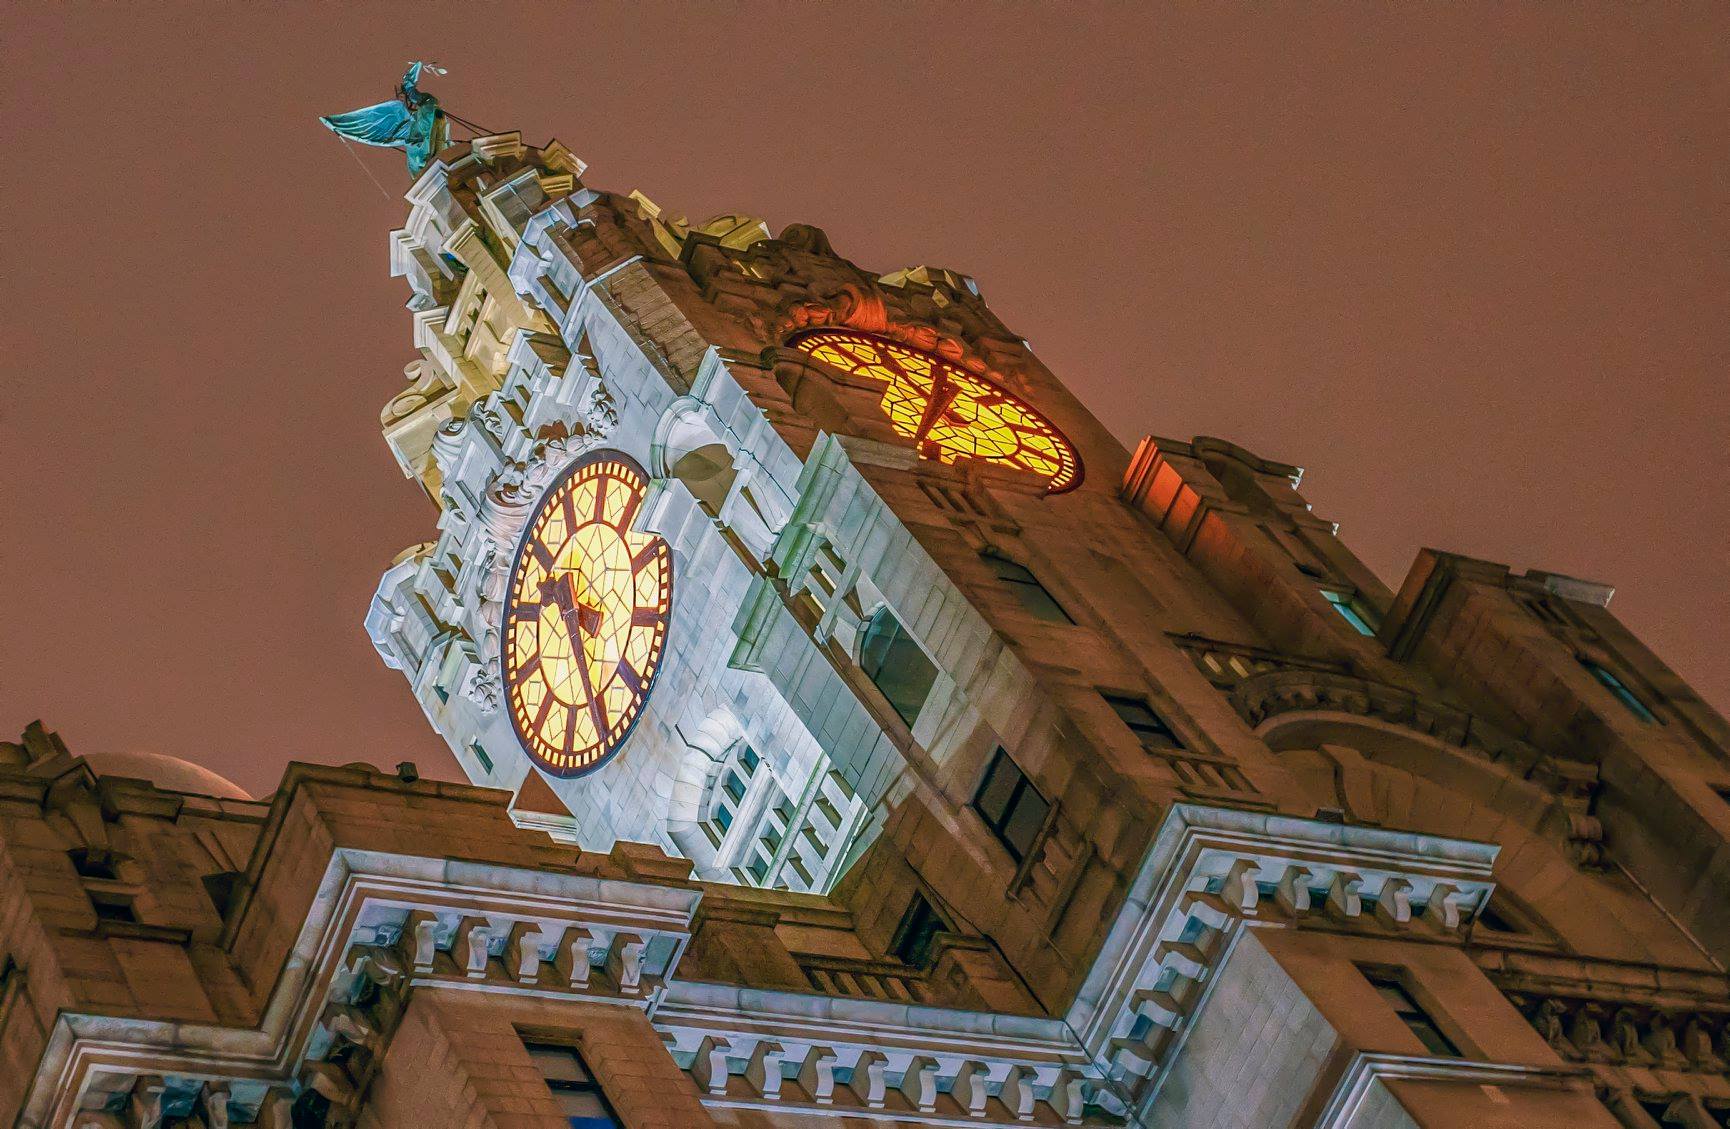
(1191, 822)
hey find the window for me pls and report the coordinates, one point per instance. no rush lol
(1390, 986)
(220, 888)
(113, 907)
(94, 862)
(481, 757)
(913, 937)
(1352, 610)
(1028, 591)
(578, 1094)
(1149, 728)
(1011, 806)
(1620, 689)
(892, 660)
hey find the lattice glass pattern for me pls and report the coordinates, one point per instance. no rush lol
(946, 411)
(586, 616)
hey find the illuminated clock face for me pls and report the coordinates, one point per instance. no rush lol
(586, 616)
(948, 412)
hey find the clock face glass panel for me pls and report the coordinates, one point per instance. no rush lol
(586, 616)
(948, 412)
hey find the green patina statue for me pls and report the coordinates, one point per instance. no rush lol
(413, 122)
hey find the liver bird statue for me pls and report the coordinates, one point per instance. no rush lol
(412, 122)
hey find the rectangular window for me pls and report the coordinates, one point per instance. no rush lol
(1011, 806)
(913, 937)
(897, 665)
(575, 1090)
(481, 757)
(1033, 596)
(1149, 728)
(1620, 689)
(1389, 985)
(1352, 611)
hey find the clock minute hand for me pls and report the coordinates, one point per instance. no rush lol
(580, 619)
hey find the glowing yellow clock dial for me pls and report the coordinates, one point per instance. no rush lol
(586, 617)
(946, 411)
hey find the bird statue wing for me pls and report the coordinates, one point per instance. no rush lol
(388, 124)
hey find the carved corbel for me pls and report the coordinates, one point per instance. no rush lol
(710, 1067)
(1344, 895)
(969, 1089)
(1240, 890)
(763, 1069)
(420, 940)
(919, 1084)
(524, 949)
(1443, 909)
(1017, 1095)
(1394, 902)
(1294, 890)
(625, 961)
(817, 1075)
(472, 946)
(572, 961)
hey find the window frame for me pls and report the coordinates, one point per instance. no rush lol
(867, 635)
(1349, 605)
(1619, 689)
(1391, 981)
(1031, 594)
(1163, 728)
(1000, 824)
(591, 1087)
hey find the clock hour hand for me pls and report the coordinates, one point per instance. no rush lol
(581, 620)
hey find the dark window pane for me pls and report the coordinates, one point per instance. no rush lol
(919, 927)
(1024, 822)
(1617, 687)
(898, 666)
(997, 790)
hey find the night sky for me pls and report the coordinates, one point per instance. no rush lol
(1468, 264)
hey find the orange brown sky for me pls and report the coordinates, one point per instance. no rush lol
(1467, 263)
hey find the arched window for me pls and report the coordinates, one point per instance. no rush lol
(1620, 689)
(897, 664)
(1033, 596)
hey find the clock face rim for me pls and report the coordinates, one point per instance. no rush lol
(553, 490)
(800, 339)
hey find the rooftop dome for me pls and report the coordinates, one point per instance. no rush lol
(168, 773)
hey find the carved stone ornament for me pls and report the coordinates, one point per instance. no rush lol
(483, 688)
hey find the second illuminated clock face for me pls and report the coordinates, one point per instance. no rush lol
(948, 412)
(586, 616)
